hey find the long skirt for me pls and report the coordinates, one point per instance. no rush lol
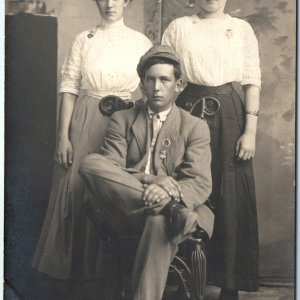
(68, 243)
(233, 249)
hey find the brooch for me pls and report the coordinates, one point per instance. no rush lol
(163, 154)
(166, 143)
(91, 33)
(229, 33)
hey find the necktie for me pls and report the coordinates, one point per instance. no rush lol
(156, 125)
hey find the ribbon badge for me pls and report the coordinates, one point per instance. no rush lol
(163, 152)
(166, 143)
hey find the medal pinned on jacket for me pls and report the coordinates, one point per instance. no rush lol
(163, 152)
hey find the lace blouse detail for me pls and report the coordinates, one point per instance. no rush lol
(103, 60)
(215, 51)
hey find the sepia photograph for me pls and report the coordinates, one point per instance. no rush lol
(150, 150)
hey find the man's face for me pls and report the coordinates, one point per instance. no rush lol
(111, 10)
(161, 87)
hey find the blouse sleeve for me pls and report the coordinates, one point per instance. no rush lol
(71, 69)
(251, 68)
(170, 35)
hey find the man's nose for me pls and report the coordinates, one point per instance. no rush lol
(109, 3)
(156, 85)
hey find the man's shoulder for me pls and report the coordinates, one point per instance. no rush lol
(128, 114)
(192, 121)
(192, 127)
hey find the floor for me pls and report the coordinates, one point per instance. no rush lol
(44, 288)
(264, 293)
(58, 292)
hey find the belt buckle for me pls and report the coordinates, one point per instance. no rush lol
(209, 106)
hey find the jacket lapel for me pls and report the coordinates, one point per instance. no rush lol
(140, 130)
(167, 137)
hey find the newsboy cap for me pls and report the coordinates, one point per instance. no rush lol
(159, 51)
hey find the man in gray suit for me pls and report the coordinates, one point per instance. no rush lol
(153, 176)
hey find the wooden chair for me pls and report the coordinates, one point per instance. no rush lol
(187, 272)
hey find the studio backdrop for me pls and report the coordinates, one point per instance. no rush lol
(274, 22)
(30, 122)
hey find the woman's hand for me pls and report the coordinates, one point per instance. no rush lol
(64, 152)
(245, 146)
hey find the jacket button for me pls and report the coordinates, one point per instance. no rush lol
(98, 210)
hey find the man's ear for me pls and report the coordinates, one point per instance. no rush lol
(126, 2)
(142, 87)
(179, 85)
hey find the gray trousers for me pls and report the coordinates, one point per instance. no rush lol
(118, 197)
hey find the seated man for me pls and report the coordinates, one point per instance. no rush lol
(153, 176)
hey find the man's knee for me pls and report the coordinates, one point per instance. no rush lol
(93, 164)
(156, 223)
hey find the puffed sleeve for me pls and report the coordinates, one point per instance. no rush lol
(251, 66)
(70, 72)
(170, 35)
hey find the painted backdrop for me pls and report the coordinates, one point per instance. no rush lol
(274, 23)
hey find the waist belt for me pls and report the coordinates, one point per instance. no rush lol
(110, 104)
(220, 89)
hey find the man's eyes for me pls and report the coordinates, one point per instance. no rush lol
(161, 79)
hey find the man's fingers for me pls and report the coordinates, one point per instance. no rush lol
(154, 194)
(176, 183)
(172, 187)
(148, 194)
(172, 191)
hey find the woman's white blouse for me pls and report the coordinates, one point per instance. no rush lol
(103, 61)
(215, 51)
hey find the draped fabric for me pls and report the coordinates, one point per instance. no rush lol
(101, 61)
(233, 249)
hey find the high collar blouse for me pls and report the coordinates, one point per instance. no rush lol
(215, 51)
(102, 61)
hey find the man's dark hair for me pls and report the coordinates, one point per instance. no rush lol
(161, 60)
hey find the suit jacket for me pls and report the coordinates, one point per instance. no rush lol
(182, 149)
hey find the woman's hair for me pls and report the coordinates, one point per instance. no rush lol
(155, 60)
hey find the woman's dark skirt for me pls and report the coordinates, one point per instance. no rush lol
(233, 249)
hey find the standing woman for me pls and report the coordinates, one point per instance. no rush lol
(216, 50)
(102, 61)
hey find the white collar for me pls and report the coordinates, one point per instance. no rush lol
(162, 115)
(106, 25)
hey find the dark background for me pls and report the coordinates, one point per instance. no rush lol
(30, 113)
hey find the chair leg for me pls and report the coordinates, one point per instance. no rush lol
(198, 262)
